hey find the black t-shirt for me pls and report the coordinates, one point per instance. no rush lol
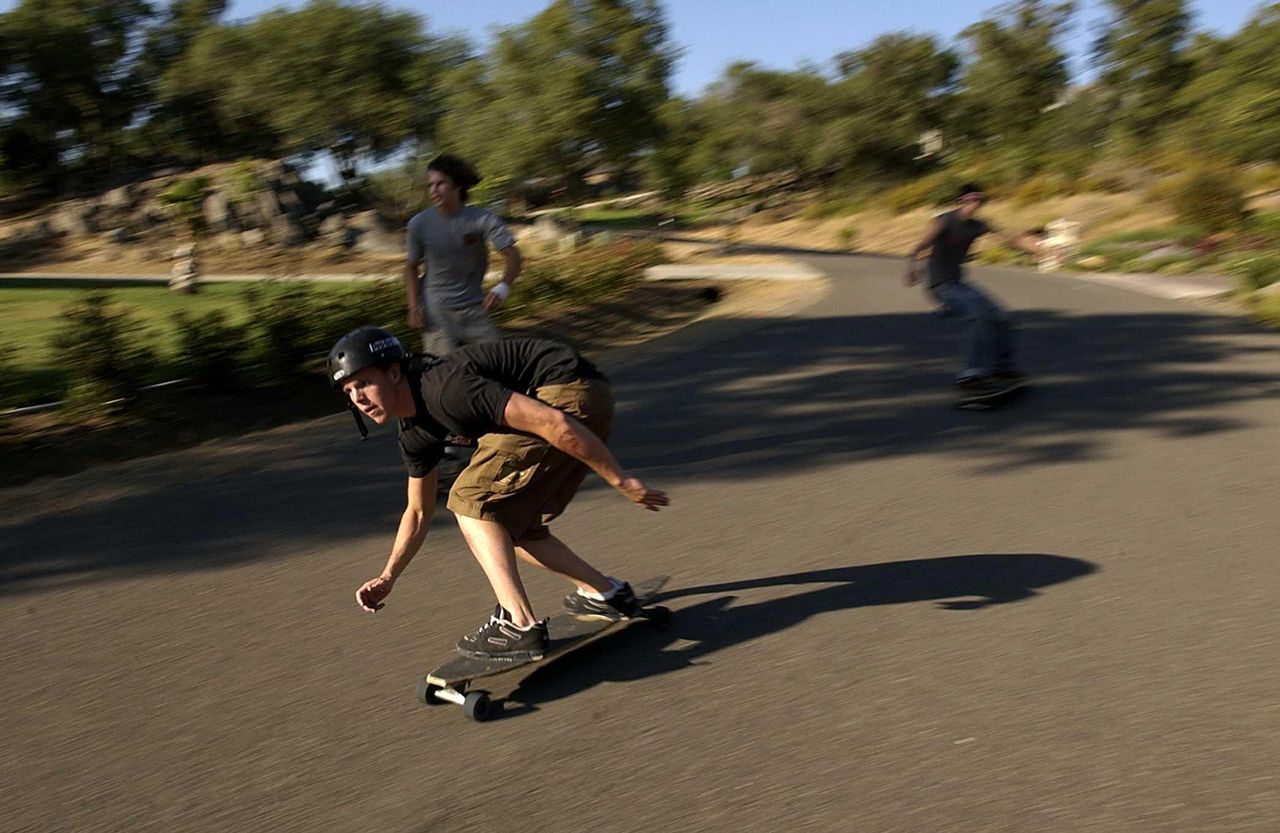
(464, 394)
(951, 247)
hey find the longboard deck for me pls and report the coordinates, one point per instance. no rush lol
(567, 631)
(992, 400)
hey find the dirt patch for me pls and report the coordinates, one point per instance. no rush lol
(221, 255)
(880, 231)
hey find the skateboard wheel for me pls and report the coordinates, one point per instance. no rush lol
(659, 616)
(427, 693)
(477, 706)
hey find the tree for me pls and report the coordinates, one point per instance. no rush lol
(767, 120)
(580, 85)
(1016, 70)
(182, 126)
(1142, 57)
(350, 79)
(890, 92)
(68, 86)
(1232, 103)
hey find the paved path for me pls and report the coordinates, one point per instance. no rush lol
(891, 616)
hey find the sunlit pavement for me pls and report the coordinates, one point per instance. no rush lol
(890, 615)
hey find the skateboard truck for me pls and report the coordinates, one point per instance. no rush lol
(475, 704)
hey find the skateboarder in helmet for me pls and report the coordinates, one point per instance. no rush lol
(540, 413)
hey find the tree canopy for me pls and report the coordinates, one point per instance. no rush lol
(92, 90)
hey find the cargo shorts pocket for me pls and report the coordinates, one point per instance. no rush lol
(514, 472)
(505, 468)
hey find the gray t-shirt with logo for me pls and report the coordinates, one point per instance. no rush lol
(456, 250)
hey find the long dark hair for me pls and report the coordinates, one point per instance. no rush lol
(459, 170)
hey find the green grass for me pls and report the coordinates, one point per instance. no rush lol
(1267, 309)
(1184, 235)
(31, 309)
(31, 317)
(289, 322)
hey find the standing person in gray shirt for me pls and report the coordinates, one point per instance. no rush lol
(446, 300)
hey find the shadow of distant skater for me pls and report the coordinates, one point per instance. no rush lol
(959, 583)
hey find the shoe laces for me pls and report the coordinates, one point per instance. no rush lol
(492, 621)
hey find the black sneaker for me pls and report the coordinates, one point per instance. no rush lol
(621, 605)
(499, 639)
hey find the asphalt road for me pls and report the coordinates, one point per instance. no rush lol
(890, 615)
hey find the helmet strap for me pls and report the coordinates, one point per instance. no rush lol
(355, 413)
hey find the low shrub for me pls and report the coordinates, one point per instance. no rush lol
(1265, 225)
(332, 314)
(1210, 200)
(935, 189)
(243, 183)
(1042, 187)
(832, 206)
(1179, 267)
(104, 351)
(997, 254)
(1267, 309)
(1254, 273)
(280, 327)
(211, 350)
(1168, 264)
(187, 195)
(588, 274)
(1165, 235)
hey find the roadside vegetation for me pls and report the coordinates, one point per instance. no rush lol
(243, 356)
(1175, 133)
(97, 340)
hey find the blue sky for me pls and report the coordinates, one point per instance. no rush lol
(782, 34)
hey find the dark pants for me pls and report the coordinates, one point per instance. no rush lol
(987, 343)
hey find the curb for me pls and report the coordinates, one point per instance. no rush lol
(1158, 286)
(790, 271)
(800, 287)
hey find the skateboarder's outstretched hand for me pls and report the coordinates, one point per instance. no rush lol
(637, 492)
(372, 592)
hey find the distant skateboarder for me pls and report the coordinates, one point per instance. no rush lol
(988, 340)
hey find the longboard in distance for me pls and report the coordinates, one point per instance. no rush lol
(448, 683)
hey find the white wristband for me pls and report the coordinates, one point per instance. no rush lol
(502, 289)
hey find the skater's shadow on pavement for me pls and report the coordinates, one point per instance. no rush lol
(699, 630)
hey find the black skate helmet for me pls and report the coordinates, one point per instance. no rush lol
(362, 347)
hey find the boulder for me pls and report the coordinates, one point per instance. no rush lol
(120, 199)
(217, 211)
(332, 226)
(288, 231)
(550, 229)
(76, 219)
(377, 234)
(268, 207)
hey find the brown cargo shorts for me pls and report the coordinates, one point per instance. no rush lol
(519, 480)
